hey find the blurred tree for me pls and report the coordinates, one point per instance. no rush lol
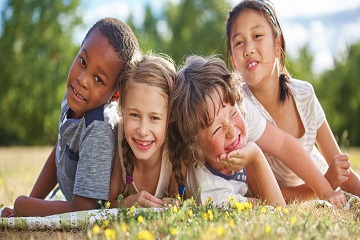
(36, 52)
(188, 27)
(301, 66)
(339, 93)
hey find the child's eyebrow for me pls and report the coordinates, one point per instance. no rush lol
(104, 73)
(258, 26)
(101, 70)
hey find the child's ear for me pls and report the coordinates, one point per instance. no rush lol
(115, 96)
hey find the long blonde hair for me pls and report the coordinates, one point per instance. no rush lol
(158, 71)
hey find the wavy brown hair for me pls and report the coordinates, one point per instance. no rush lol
(195, 82)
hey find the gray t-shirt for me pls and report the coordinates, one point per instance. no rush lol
(85, 151)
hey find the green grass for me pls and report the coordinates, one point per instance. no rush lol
(19, 168)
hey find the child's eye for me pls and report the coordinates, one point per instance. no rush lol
(257, 36)
(134, 115)
(234, 113)
(238, 43)
(82, 61)
(154, 118)
(99, 80)
(216, 130)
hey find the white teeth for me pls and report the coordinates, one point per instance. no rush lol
(143, 143)
(252, 64)
(76, 93)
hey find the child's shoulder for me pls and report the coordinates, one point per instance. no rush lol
(300, 86)
(107, 113)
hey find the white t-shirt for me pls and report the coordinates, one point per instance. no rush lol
(201, 183)
(312, 117)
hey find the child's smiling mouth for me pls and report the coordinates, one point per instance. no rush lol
(78, 95)
(234, 146)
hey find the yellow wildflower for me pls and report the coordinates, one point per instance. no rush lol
(132, 209)
(227, 214)
(176, 208)
(293, 221)
(220, 231)
(263, 209)
(110, 233)
(231, 223)
(190, 213)
(278, 208)
(286, 210)
(208, 200)
(105, 224)
(107, 204)
(209, 215)
(267, 229)
(248, 205)
(239, 206)
(123, 227)
(96, 229)
(146, 235)
(173, 231)
(178, 197)
(140, 219)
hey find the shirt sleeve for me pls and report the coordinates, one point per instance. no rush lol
(96, 155)
(255, 122)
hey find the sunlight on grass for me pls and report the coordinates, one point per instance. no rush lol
(19, 168)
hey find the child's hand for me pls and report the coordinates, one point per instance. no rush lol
(238, 159)
(170, 202)
(142, 199)
(336, 198)
(7, 212)
(338, 171)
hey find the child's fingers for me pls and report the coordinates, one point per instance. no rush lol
(148, 200)
(234, 164)
(342, 161)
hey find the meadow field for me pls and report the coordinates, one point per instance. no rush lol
(20, 166)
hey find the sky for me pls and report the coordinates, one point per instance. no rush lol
(328, 27)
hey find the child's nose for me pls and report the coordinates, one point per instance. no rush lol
(83, 80)
(248, 50)
(229, 131)
(143, 129)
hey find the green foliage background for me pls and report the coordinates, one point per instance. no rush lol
(37, 48)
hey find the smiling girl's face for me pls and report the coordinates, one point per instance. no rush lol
(227, 132)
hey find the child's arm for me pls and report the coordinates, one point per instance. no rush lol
(267, 185)
(47, 178)
(142, 199)
(285, 147)
(339, 173)
(42, 208)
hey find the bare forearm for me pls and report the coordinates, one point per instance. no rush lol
(299, 161)
(29, 206)
(267, 184)
(352, 185)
